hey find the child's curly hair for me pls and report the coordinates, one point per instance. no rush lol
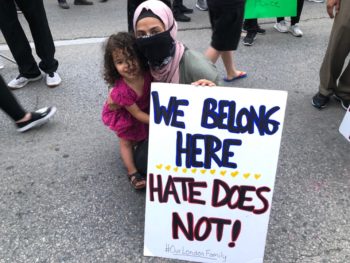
(126, 42)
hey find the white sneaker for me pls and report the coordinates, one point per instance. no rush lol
(281, 26)
(1, 65)
(316, 1)
(202, 5)
(21, 81)
(53, 79)
(295, 31)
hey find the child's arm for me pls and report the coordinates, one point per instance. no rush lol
(137, 113)
(110, 102)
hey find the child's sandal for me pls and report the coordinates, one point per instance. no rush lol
(138, 181)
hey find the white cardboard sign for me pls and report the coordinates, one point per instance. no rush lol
(212, 163)
(344, 128)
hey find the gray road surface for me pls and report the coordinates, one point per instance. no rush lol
(64, 195)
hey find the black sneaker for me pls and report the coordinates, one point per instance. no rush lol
(261, 31)
(181, 17)
(319, 101)
(344, 103)
(38, 118)
(63, 4)
(248, 40)
(82, 2)
(185, 9)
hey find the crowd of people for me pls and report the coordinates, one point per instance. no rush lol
(151, 52)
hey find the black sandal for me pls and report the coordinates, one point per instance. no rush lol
(138, 181)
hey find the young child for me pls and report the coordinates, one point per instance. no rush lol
(127, 106)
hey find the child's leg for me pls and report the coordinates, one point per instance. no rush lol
(126, 151)
(127, 156)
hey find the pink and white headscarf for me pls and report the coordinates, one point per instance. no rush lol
(170, 72)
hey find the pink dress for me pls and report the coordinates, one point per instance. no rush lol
(120, 120)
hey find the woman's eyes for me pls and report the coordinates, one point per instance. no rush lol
(148, 34)
(153, 32)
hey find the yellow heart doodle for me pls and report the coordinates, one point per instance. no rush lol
(223, 172)
(194, 170)
(212, 171)
(246, 175)
(203, 171)
(184, 170)
(167, 167)
(159, 166)
(234, 174)
(175, 169)
(257, 176)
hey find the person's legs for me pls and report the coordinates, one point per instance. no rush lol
(295, 19)
(35, 14)
(336, 53)
(17, 40)
(212, 54)
(281, 25)
(337, 50)
(227, 59)
(250, 24)
(294, 28)
(231, 71)
(178, 11)
(9, 104)
(252, 27)
(226, 24)
(131, 7)
(126, 153)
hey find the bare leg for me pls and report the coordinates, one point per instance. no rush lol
(127, 156)
(227, 58)
(212, 54)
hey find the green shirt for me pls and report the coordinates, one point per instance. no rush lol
(195, 66)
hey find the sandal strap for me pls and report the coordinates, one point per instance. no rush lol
(137, 180)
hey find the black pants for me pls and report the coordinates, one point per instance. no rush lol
(294, 19)
(132, 5)
(35, 14)
(8, 102)
(177, 4)
(251, 25)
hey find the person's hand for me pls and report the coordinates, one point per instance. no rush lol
(110, 103)
(204, 82)
(333, 5)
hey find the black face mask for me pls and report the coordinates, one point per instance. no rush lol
(158, 49)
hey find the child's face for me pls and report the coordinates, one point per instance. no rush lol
(127, 68)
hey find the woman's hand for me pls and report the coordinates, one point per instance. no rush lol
(203, 82)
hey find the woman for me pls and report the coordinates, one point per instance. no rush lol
(131, 7)
(170, 61)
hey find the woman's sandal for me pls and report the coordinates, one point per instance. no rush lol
(138, 181)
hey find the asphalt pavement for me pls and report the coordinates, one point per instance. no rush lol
(64, 194)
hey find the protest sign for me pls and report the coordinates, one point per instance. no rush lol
(212, 163)
(344, 127)
(270, 8)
